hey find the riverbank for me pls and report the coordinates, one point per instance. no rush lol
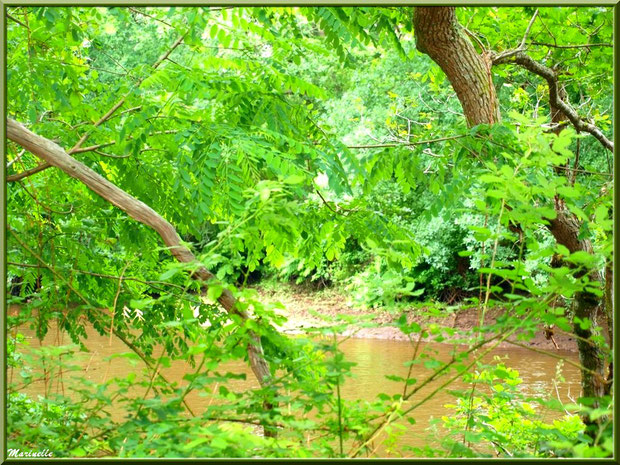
(305, 308)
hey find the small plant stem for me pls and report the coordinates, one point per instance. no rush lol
(340, 441)
(488, 286)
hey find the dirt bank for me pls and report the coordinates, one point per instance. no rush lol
(306, 309)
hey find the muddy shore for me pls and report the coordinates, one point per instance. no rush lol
(306, 309)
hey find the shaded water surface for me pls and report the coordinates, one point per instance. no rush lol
(374, 358)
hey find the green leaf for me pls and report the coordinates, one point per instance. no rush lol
(168, 274)
(294, 179)
(214, 292)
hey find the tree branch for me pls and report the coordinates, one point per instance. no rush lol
(520, 58)
(91, 148)
(121, 102)
(30, 172)
(56, 156)
(16, 20)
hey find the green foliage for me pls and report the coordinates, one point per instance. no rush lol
(504, 422)
(313, 144)
(374, 288)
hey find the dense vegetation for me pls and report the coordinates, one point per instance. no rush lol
(337, 147)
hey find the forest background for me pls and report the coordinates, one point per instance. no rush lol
(217, 149)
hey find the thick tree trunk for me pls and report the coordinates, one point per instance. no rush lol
(56, 156)
(440, 36)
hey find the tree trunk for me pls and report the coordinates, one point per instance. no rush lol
(565, 229)
(56, 156)
(440, 36)
(609, 317)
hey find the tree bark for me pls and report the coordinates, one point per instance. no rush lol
(56, 156)
(439, 35)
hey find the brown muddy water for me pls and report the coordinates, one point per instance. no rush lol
(375, 358)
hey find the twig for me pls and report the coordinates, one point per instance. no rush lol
(78, 65)
(551, 354)
(135, 10)
(116, 62)
(38, 202)
(413, 358)
(92, 147)
(167, 54)
(30, 172)
(527, 31)
(118, 292)
(572, 45)
(16, 20)
(483, 50)
(327, 203)
(421, 142)
(548, 30)
(19, 155)
(103, 154)
(179, 65)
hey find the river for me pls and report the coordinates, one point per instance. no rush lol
(374, 358)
